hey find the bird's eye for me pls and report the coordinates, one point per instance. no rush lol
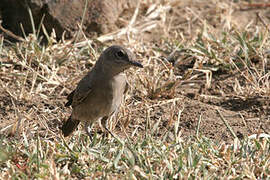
(120, 54)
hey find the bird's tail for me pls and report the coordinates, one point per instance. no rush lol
(69, 126)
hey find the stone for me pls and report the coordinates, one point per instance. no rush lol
(63, 15)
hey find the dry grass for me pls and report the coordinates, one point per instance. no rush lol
(183, 45)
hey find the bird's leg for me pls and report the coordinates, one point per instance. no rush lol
(87, 129)
(103, 123)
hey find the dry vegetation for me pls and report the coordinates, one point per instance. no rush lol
(199, 108)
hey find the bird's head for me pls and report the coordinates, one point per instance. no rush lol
(118, 59)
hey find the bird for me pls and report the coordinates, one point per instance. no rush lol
(100, 92)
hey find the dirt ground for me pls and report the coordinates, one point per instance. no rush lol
(191, 102)
(246, 115)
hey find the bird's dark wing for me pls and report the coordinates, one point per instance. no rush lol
(82, 91)
(69, 126)
(80, 95)
(70, 99)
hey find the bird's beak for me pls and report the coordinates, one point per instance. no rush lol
(135, 63)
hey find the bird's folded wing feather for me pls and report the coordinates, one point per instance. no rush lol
(70, 98)
(80, 95)
(77, 96)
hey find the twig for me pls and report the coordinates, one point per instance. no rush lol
(133, 19)
(258, 5)
(65, 143)
(9, 33)
(198, 125)
(242, 117)
(262, 20)
(226, 124)
(83, 17)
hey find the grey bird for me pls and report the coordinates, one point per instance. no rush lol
(100, 93)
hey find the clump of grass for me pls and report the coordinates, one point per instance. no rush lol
(238, 52)
(145, 158)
